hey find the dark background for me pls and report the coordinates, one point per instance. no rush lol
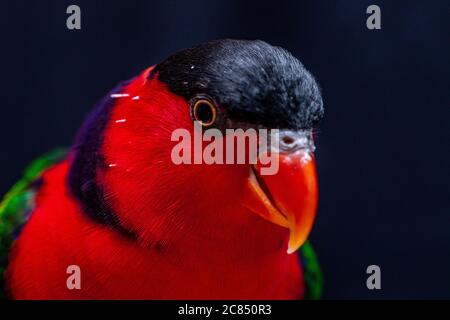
(383, 148)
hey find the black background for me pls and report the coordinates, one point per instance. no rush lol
(383, 148)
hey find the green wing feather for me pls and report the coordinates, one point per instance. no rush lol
(311, 272)
(19, 202)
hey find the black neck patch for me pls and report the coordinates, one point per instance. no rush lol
(88, 159)
(252, 81)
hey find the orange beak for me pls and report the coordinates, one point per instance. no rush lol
(288, 198)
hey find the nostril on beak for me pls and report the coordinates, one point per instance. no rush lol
(288, 140)
(293, 140)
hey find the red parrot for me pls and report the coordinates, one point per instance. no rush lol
(139, 226)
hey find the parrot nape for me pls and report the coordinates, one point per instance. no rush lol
(139, 226)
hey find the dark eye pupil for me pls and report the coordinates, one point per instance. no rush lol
(204, 113)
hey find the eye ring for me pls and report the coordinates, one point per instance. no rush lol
(204, 111)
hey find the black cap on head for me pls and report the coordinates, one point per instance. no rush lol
(252, 81)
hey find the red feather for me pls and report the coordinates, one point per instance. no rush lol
(194, 239)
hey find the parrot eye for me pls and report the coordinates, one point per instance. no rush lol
(204, 111)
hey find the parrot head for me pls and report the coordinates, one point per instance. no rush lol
(122, 168)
